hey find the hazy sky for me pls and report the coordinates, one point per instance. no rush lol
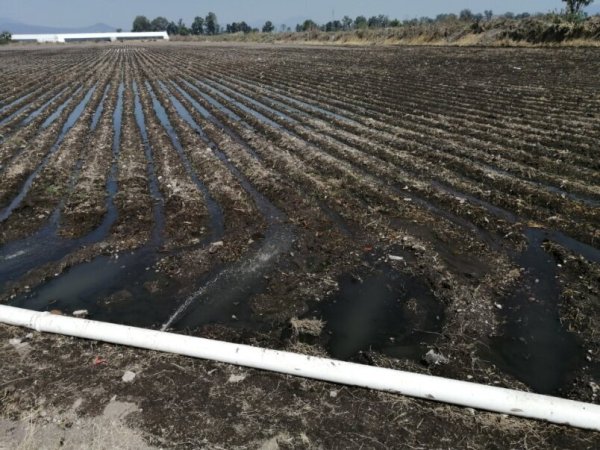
(120, 13)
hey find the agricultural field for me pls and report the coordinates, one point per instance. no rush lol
(429, 209)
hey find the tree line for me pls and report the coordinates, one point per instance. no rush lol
(573, 11)
(209, 25)
(201, 25)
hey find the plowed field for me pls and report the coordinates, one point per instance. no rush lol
(366, 204)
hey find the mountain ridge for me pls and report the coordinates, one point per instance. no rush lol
(15, 27)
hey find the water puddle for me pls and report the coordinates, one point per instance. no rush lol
(383, 311)
(534, 346)
(224, 297)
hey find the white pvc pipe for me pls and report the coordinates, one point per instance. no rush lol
(505, 401)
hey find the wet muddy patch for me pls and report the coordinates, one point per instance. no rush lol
(535, 347)
(382, 311)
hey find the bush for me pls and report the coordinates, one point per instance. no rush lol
(5, 37)
(539, 31)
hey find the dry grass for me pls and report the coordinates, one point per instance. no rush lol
(431, 36)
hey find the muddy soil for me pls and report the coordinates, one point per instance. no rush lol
(361, 204)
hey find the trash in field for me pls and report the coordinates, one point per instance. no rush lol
(432, 358)
(99, 361)
(215, 247)
(128, 376)
(395, 258)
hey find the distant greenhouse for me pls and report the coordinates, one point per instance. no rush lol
(76, 37)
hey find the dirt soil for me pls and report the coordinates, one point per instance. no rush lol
(60, 391)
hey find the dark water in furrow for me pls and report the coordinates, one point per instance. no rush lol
(548, 346)
(16, 102)
(330, 213)
(44, 246)
(214, 209)
(534, 346)
(379, 309)
(113, 288)
(216, 104)
(335, 217)
(463, 223)
(561, 192)
(158, 209)
(254, 102)
(30, 118)
(257, 115)
(223, 295)
(16, 113)
(55, 115)
(100, 109)
(71, 120)
(586, 200)
(275, 91)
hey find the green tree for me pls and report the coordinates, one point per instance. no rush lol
(268, 27)
(488, 13)
(172, 28)
(141, 23)
(309, 25)
(380, 21)
(182, 30)
(5, 37)
(466, 15)
(575, 7)
(347, 23)
(159, 24)
(198, 26)
(361, 22)
(212, 25)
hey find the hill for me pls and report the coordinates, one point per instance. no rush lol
(21, 28)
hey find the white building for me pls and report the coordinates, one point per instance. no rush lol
(74, 37)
